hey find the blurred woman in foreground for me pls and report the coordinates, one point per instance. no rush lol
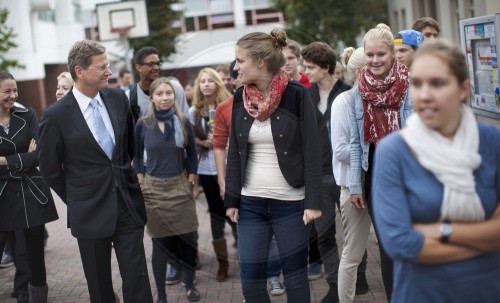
(437, 193)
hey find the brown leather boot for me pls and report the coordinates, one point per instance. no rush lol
(220, 248)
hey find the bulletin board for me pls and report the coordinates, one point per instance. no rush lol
(480, 39)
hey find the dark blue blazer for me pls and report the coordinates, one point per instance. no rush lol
(75, 166)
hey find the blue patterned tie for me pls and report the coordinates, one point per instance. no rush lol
(103, 137)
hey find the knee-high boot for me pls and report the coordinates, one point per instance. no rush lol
(220, 248)
(38, 294)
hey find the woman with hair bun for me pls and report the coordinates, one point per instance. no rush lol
(381, 106)
(352, 68)
(273, 181)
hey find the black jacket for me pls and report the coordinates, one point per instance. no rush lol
(134, 105)
(296, 141)
(323, 121)
(25, 199)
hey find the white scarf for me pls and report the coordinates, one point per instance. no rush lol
(452, 162)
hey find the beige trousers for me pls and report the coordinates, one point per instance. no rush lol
(356, 225)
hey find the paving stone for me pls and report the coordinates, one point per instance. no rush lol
(67, 282)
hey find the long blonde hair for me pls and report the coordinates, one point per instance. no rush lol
(221, 92)
(150, 120)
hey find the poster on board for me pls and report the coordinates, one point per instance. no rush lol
(480, 38)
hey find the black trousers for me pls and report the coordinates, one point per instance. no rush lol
(215, 206)
(34, 252)
(22, 275)
(182, 249)
(129, 250)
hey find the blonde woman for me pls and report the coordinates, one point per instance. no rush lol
(64, 84)
(166, 182)
(209, 92)
(381, 105)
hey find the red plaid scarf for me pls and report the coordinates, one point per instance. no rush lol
(382, 100)
(262, 108)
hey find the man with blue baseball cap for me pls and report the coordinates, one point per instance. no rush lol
(406, 43)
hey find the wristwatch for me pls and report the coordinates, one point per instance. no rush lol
(446, 229)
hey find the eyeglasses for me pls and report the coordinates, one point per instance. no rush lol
(428, 35)
(152, 63)
(102, 68)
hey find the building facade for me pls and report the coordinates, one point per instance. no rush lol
(46, 29)
(403, 13)
(210, 29)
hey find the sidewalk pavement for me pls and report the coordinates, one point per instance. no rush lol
(67, 282)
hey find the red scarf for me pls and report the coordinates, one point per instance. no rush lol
(262, 108)
(382, 100)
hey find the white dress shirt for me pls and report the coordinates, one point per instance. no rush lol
(84, 104)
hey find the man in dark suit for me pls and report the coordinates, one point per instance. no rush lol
(86, 147)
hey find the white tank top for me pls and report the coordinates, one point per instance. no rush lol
(263, 175)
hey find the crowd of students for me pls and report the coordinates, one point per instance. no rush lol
(279, 141)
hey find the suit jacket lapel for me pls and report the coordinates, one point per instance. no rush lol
(75, 115)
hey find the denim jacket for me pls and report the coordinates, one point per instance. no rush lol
(359, 149)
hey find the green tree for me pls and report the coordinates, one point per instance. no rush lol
(6, 42)
(330, 21)
(161, 33)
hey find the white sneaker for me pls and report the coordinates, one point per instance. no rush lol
(276, 288)
(7, 261)
(314, 271)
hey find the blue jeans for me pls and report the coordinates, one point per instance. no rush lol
(273, 263)
(259, 219)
